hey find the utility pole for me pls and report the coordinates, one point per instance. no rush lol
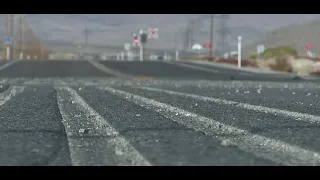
(86, 33)
(224, 33)
(211, 36)
(192, 23)
(6, 31)
(20, 33)
(12, 34)
(176, 40)
(23, 30)
(187, 33)
(86, 36)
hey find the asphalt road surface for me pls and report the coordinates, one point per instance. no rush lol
(154, 113)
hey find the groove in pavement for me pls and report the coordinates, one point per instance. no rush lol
(108, 148)
(161, 140)
(31, 130)
(38, 69)
(282, 128)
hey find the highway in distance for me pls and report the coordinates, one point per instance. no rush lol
(152, 113)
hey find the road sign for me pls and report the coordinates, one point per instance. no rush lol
(260, 48)
(8, 40)
(127, 47)
(207, 44)
(308, 46)
(136, 41)
(153, 33)
(197, 47)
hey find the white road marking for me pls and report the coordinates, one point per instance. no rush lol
(243, 69)
(104, 149)
(294, 115)
(194, 67)
(8, 64)
(210, 70)
(274, 150)
(9, 93)
(3, 80)
(107, 70)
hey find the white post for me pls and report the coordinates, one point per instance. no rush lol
(141, 52)
(239, 51)
(177, 55)
(118, 57)
(21, 55)
(8, 53)
(165, 56)
(122, 55)
(130, 55)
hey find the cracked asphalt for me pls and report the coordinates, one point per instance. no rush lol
(73, 113)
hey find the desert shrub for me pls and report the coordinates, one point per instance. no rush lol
(244, 62)
(278, 52)
(281, 64)
(253, 56)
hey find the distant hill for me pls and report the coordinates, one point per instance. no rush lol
(296, 36)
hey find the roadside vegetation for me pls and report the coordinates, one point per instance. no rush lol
(282, 58)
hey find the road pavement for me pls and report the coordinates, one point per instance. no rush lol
(154, 113)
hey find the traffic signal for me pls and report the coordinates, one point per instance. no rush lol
(136, 38)
(144, 38)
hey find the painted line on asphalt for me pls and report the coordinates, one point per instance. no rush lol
(264, 147)
(109, 147)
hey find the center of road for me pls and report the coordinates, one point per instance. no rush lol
(119, 74)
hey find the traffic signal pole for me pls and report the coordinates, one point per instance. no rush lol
(143, 39)
(141, 52)
(211, 38)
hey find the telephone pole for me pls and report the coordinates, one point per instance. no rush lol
(86, 36)
(11, 35)
(224, 33)
(211, 36)
(187, 38)
(20, 33)
(6, 32)
(86, 33)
